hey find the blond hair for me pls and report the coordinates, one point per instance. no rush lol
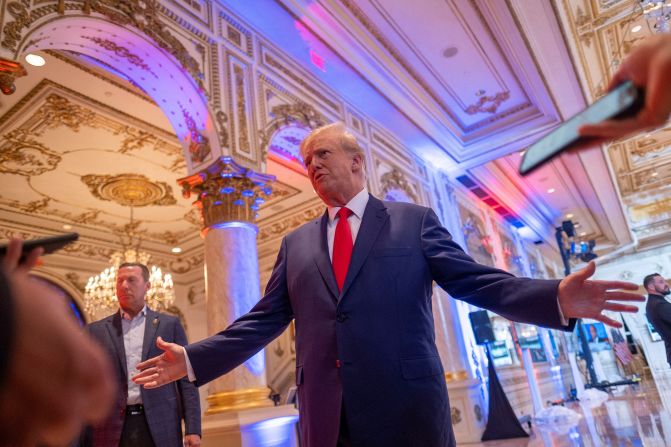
(338, 133)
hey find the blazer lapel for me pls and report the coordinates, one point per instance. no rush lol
(322, 258)
(374, 218)
(116, 335)
(151, 323)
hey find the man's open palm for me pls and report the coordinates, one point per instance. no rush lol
(581, 297)
(164, 368)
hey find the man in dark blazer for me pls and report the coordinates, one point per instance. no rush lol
(143, 417)
(658, 309)
(358, 282)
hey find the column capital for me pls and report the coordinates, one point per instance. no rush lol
(227, 192)
(9, 71)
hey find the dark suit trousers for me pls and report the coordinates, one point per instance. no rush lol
(136, 431)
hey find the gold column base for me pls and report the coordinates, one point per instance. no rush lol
(453, 376)
(238, 400)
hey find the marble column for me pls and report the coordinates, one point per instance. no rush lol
(228, 196)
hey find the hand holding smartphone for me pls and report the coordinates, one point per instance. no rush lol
(623, 101)
(48, 244)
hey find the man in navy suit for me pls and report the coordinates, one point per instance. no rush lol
(143, 417)
(358, 282)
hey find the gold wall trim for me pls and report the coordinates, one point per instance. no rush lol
(238, 400)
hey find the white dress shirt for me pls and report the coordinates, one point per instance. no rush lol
(133, 338)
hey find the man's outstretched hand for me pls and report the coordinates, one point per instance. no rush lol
(164, 368)
(581, 297)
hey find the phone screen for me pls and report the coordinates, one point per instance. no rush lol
(614, 103)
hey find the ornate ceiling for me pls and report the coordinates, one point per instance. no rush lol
(601, 35)
(486, 78)
(473, 82)
(80, 146)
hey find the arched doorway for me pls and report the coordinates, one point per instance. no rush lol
(130, 39)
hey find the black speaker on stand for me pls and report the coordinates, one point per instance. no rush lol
(502, 423)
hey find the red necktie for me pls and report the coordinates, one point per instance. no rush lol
(342, 247)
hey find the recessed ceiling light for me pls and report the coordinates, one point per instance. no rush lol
(576, 225)
(67, 227)
(569, 216)
(551, 190)
(655, 174)
(583, 234)
(35, 60)
(522, 153)
(450, 51)
(176, 250)
(636, 29)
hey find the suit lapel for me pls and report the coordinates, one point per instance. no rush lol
(374, 218)
(321, 256)
(116, 335)
(151, 324)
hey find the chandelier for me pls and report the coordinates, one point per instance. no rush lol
(658, 12)
(100, 290)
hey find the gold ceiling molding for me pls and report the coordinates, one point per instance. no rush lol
(59, 110)
(395, 179)
(488, 104)
(299, 78)
(43, 208)
(140, 14)
(281, 227)
(77, 248)
(130, 189)
(183, 265)
(136, 139)
(22, 155)
(281, 191)
(121, 52)
(286, 114)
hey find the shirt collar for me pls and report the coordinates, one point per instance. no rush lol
(357, 205)
(125, 316)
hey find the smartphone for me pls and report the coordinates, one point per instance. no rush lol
(49, 244)
(623, 101)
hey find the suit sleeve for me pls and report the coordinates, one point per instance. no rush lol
(188, 392)
(526, 300)
(220, 353)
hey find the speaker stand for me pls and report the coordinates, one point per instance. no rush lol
(502, 423)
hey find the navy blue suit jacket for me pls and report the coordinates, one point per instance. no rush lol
(164, 407)
(372, 346)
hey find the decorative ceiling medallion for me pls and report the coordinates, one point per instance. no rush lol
(129, 189)
(488, 104)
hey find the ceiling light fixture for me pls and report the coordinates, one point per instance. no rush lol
(551, 190)
(35, 60)
(450, 52)
(176, 250)
(636, 29)
(569, 216)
